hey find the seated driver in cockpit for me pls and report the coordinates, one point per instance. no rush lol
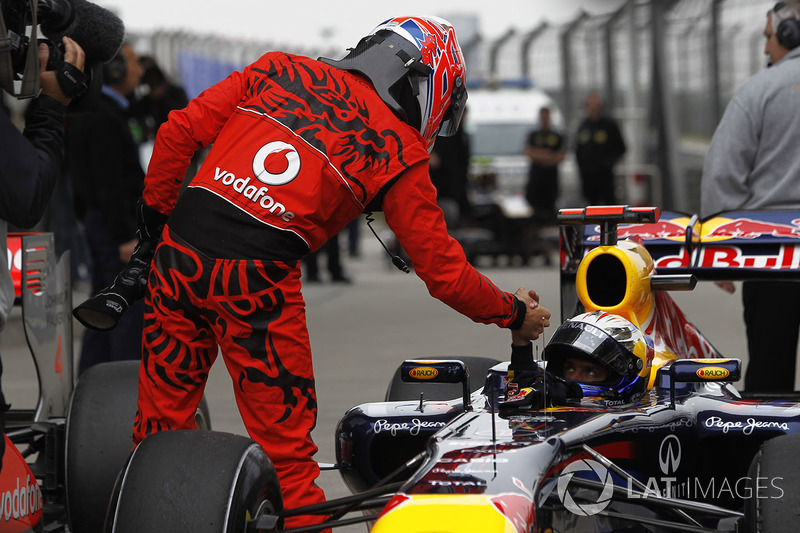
(594, 356)
(578, 369)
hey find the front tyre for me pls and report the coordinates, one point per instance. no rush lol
(773, 503)
(194, 481)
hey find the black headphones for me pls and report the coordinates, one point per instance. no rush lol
(788, 29)
(116, 70)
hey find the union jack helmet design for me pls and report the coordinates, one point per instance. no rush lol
(442, 95)
(416, 66)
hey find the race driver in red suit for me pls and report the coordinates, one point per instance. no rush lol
(300, 148)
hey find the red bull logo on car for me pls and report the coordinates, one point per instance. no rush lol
(784, 257)
(715, 229)
(671, 229)
(720, 228)
(725, 243)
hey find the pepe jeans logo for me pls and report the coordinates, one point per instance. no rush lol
(412, 428)
(584, 508)
(745, 426)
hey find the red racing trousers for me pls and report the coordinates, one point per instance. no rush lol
(253, 313)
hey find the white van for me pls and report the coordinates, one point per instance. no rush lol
(498, 122)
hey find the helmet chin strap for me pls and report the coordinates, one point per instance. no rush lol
(384, 60)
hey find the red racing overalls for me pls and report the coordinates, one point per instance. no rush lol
(300, 148)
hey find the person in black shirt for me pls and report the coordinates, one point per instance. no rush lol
(449, 169)
(104, 164)
(600, 146)
(162, 96)
(546, 149)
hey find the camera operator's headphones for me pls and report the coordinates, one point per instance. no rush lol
(786, 25)
(116, 70)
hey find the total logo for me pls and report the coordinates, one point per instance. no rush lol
(585, 508)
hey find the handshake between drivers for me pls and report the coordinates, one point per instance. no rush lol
(536, 317)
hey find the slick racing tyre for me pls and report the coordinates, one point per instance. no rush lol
(98, 440)
(400, 390)
(773, 504)
(198, 481)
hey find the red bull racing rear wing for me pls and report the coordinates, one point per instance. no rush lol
(732, 245)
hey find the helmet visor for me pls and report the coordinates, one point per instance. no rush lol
(454, 114)
(594, 344)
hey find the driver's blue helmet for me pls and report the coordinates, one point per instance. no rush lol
(610, 341)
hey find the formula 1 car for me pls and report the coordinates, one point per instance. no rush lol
(447, 453)
(62, 457)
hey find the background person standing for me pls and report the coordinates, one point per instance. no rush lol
(107, 177)
(160, 97)
(599, 148)
(546, 149)
(449, 169)
(333, 257)
(752, 163)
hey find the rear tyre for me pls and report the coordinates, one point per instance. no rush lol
(400, 390)
(198, 481)
(98, 441)
(773, 504)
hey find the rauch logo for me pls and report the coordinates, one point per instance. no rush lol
(423, 372)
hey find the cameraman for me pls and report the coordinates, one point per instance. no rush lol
(30, 162)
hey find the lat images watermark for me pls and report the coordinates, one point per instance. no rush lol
(593, 502)
(585, 508)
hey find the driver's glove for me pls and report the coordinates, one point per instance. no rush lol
(103, 310)
(526, 388)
